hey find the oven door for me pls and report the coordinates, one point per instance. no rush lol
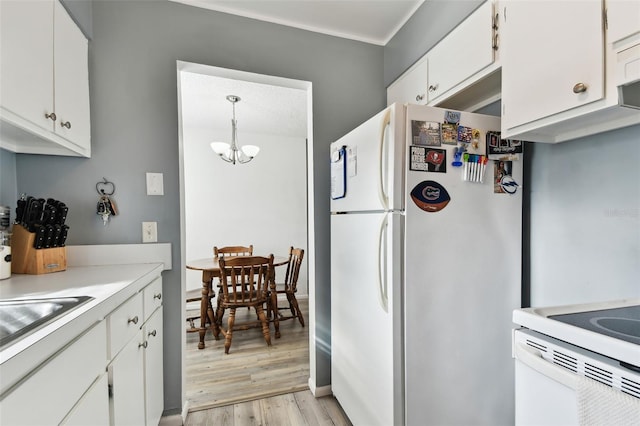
(545, 393)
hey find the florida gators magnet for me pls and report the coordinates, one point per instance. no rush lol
(430, 196)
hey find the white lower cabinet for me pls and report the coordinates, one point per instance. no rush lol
(126, 384)
(153, 367)
(93, 407)
(135, 373)
(63, 379)
(111, 374)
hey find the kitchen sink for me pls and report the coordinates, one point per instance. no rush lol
(19, 317)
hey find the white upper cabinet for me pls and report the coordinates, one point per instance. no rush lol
(460, 72)
(71, 80)
(559, 71)
(623, 20)
(44, 84)
(27, 61)
(411, 87)
(552, 59)
(463, 53)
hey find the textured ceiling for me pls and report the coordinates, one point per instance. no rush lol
(371, 21)
(263, 108)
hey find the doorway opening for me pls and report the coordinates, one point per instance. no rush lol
(263, 203)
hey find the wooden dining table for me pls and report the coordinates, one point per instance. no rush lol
(210, 270)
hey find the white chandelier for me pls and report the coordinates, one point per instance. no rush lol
(232, 153)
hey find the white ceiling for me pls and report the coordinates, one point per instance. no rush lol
(371, 21)
(263, 108)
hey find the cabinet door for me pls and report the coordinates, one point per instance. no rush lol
(26, 88)
(126, 377)
(63, 378)
(462, 53)
(411, 87)
(549, 50)
(623, 19)
(71, 81)
(93, 408)
(153, 368)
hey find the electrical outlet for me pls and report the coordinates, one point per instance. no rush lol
(149, 232)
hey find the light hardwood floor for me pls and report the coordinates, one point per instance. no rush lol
(293, 409)
(256, 384)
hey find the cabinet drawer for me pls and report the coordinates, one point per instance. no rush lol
(152, 297)
(124, 323)
(62, 381)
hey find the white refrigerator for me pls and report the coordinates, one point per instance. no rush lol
(425, 271)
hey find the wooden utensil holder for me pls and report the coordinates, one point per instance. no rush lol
(27, 260)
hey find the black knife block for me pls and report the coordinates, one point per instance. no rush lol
(27, 260)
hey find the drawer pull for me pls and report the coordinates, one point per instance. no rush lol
(52, 116)
(133, 320)
(143, 345)
(152, 333)
(158, 296)
(580, 88)
(66, 124)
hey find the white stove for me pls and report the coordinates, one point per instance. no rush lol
(578, 364)
(611, 329)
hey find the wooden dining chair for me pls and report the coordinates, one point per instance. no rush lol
(244, 282)
(289, 288)
(195, 295)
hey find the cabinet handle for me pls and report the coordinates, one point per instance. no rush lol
(52, 116)
(133, 320)
(152, 333)
(495, 21)
(433, 88)
(143, 345)
(66, 124)
(496, 42)
(580, 88)
(158, 296)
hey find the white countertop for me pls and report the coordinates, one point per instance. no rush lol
(109, 285)
(537, 319)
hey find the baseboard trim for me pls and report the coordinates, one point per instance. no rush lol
(321, 391)
(185, 412)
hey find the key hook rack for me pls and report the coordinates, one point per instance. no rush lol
(102, 187)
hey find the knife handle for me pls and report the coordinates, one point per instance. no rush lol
(48, 236)
(38, 243)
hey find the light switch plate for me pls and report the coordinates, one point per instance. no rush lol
(155, 184)
(149, 232)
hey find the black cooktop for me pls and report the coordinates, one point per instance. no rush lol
(620, 323)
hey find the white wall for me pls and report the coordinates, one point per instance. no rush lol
(261, 203)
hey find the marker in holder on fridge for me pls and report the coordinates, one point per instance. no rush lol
(474, 167)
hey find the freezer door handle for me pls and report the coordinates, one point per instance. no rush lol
(382, 172)
(382, 265)
(533, 358)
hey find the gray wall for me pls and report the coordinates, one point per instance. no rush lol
(584, 220)
(134, 113)
(8, 191)
(81, 12)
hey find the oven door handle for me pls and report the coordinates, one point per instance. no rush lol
(533, 358)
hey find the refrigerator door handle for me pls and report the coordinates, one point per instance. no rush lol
(382, 263)
(384, 197)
